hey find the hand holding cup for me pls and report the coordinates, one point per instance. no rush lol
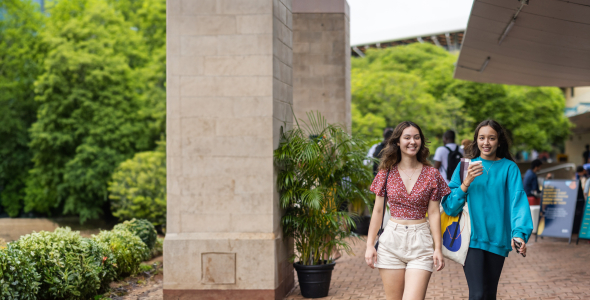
(475, 169)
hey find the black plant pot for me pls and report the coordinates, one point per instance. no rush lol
(314, 281)
(362, 225)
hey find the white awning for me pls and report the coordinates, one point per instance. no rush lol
(548, 44)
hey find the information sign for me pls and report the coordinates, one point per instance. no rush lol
(585, 226)
(558, 207)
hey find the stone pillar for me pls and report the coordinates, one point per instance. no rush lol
(321, 59)
(229, 90)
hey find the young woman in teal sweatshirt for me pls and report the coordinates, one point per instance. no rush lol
(498, 207)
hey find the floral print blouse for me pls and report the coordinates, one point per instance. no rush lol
(429, 186)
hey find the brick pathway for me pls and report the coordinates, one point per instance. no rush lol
(552, 270)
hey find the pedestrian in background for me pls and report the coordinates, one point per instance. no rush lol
(464, 144)
(375, 151)
(587, 166)
(581, 175)
(497, 205)
(447, 157)
(531, 183)
(410, 247)
(587, 189)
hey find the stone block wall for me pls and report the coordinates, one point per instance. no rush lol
(321, 50)
(229, 90)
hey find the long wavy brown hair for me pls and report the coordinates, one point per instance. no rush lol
(392, 154)
(503, 150)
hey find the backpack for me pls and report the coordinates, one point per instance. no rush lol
(453, 160)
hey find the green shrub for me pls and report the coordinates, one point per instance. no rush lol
(158, 247)
(144, 229)
(138, 188)
(104, 256)
(18, 277)
(71, 267)
(128, 249)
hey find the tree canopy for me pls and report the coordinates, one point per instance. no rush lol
(415, 82)
(21, 58)
(83, 90)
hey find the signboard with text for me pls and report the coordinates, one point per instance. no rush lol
(585, 226)
(558, 207)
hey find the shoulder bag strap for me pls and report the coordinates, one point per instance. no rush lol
(384, 201)
(461, 172)
(384, 207)
(461, 213)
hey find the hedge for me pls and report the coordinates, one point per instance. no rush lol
(144, 229)
(64, 265)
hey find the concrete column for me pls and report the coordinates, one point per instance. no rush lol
(229, 90)
(321, 59)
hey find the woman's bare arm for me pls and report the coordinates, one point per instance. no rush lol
(434, 219)
(376, 219)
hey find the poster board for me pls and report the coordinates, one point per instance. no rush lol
(558, 208)
(585, 226)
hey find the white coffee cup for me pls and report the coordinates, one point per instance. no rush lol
(474, 162)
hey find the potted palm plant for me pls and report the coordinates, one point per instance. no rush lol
(320, 170)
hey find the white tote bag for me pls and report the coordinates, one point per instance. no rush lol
(456, 231)
(456, 235)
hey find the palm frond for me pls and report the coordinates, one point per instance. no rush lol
(319, 170)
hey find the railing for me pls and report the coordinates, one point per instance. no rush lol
(566, 166)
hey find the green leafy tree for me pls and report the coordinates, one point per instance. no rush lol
(94, 110)
(532, 115)
(148, 17)
(390, 97)
(21, 56)
(415, 82)
(138, 187)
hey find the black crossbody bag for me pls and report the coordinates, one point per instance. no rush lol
(384, 207)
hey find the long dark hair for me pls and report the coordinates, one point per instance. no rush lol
(392, 155)
(503, 150)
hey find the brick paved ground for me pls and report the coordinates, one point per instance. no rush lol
(552, 270)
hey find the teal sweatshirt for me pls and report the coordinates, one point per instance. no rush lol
(497, 203)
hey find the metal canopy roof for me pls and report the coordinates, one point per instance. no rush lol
(548, 44)
(582, 122)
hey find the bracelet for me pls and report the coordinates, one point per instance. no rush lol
(466, 186)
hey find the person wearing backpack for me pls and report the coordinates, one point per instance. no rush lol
(447, 157)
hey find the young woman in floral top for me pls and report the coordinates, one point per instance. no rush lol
(410, 245)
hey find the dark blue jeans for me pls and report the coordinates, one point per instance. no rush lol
(482, 271)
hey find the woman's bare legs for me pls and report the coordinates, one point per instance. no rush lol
(416, 284)
(401, 284)
(393, 283)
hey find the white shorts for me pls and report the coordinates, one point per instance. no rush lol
(405, 247)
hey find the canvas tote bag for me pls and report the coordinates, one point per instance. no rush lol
(456, 231)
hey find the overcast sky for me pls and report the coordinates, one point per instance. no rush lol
(381, 20)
